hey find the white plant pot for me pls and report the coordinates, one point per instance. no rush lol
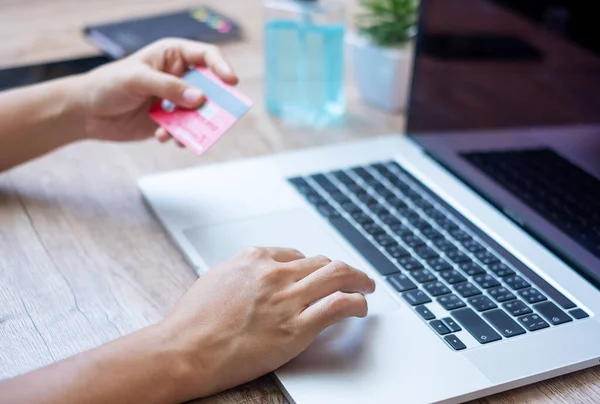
(382, 75)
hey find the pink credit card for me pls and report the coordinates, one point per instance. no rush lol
(199, 129)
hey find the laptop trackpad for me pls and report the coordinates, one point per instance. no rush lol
(294, 229)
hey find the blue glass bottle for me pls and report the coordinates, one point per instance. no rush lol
(304, 46)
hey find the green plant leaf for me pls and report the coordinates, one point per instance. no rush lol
(388, 22)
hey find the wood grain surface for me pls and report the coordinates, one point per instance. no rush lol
(83, 262)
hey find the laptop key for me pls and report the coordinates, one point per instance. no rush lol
(455, 343)
(436, 289)
(447, 224)
(315, 199)
(343, 177)
(350, 207)
(368, 250)
(401, 283)
(416, 297)
(471, 268)
(340, 197)
(439, 327)
(373, 229)
(385, 240)
(531, 295)
(438, 264)
(500, 269)
(419, 223)
(426, 253)
(423, 204)
(533, 322)
(424, 312)
(409, 263)
(451, 324)
(552, 313)
(457, 256)
(479, 329)
(436, 214)
(384, 192)
(362, 218)
(486, 257)
(431, 234)
(397, 251)
(482, 303)
(503, 323)
(324, 183)
(501, 294)
(390, 220)
(396, 202)
(444, 244)
(301, 185)
(408, 213)
(472, 246)
(451, 302)
(423, 276)
(460, 235)
(378, 209)
(355, 188)
(578, 313)
(517, 308)
(452, 276)
(366, 198)
(412, 240)
(400, 229)
(467, 289)
(516, 282)
(363, 174)
(486, 281)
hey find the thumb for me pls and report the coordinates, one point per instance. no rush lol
(152, 83)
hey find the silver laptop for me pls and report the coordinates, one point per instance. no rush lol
(482, 228)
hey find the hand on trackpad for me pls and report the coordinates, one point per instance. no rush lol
(293, 229)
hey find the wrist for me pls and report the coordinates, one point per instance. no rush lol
(194, 361)
(170, 362)
(76, 106)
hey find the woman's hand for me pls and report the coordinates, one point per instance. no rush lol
(116, 97)
(241, 320)
(254, 313)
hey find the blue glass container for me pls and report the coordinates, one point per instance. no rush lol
(304, 46)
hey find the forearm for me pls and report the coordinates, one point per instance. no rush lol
(37, 119)
(142, 367)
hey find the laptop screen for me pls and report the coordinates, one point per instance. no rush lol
(506, 95)
(488, 64)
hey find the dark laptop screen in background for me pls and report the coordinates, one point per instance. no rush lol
(484, 64)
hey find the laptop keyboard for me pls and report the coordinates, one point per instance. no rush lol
(561, 192)
(455, 277)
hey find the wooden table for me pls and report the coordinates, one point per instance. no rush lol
(82, 261)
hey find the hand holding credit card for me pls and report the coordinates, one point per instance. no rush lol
(199, 129)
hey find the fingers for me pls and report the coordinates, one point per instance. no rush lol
(193, 53)
(200, 54)
(335, 276)
(152, 83)
(306, 266)
(163, 136)
(278, 254)
(331, 310)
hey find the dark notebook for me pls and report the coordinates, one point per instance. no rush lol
(122, 38)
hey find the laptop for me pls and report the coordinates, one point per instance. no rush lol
(481, 226)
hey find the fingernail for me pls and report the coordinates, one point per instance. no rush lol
(373, 282)
(192, 96)
(224, 68)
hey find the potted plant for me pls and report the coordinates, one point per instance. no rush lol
(381, 52)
